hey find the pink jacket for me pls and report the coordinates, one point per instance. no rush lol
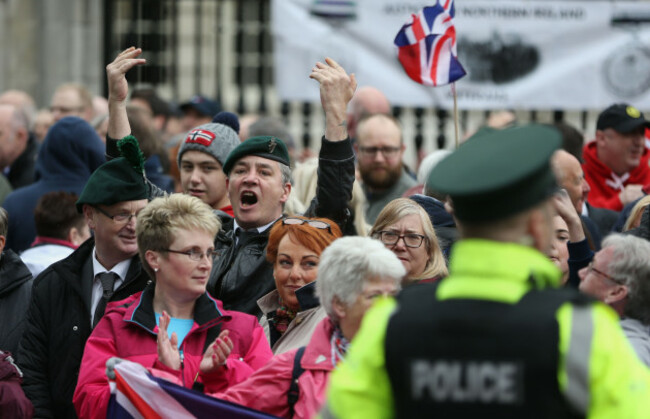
(267, 388)
(128, 330)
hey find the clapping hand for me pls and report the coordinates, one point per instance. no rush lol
(168, 353)
(217, 353)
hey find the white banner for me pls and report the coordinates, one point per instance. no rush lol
(518, 54)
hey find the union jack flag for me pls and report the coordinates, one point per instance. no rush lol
(427, 46)
(136, 394)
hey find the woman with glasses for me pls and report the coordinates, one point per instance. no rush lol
(405, 228)
(355, 271)
(173, 326)
(291, 311)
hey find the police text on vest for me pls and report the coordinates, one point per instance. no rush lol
(448, 381)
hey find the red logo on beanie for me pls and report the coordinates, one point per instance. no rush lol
(199, 136)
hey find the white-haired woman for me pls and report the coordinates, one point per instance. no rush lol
(353, 272)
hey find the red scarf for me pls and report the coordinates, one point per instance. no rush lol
(606, 185)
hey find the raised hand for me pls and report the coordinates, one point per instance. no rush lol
(217, 353)
(168, 353)
(567, 211)
(336, 90)
(118, 88)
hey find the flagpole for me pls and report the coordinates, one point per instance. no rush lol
(453, 90)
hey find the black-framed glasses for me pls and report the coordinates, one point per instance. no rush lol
(322, 225)
(390, 238)
(194, 254)
(123, 217)
(590, 267)
(387, 152)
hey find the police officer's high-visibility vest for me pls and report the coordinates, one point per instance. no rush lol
(476, 358)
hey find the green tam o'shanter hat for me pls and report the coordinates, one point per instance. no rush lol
(269, 147)
(495, 174)
(121, 179)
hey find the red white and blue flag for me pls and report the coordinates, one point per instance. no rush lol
(427, 46)
(201, 137)
(135, 393)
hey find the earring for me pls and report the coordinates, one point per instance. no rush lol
(155, 269)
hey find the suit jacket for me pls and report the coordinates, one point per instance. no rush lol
(58, 325)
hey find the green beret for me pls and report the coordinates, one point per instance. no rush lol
(271, 148)
(114, 181)
(497, 174)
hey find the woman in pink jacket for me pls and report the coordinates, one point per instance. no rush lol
(353, 272)
(173, 325)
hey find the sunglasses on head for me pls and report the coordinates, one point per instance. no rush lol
(312, 223)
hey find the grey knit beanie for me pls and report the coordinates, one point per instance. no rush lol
(217, 138)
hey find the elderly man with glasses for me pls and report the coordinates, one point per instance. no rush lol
(619, 276)
(71, 295)
(380, 149)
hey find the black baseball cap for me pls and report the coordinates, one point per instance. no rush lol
(622, 118)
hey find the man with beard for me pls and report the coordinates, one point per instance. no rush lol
(379, 150)
(616, 163)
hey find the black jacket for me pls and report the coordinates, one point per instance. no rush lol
(241, 275)
(58, 325)
(15, 290)
(603, 218)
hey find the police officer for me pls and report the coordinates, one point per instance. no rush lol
(497, 338)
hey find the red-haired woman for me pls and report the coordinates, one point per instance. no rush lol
(291, 311)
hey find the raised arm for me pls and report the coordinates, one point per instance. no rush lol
(579, 252)
(336, 90)
(336, 158)
(565, 209)
(118, 90)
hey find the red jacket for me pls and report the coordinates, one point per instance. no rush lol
(128, 330)
(267, 388)
(605, 185)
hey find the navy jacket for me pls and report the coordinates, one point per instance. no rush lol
(71, 151)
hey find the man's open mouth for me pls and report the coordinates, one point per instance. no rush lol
(248, 199)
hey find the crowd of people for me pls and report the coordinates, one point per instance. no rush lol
(508, 278)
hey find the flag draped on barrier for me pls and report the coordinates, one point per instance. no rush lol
(427, 46)
(135, 393)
